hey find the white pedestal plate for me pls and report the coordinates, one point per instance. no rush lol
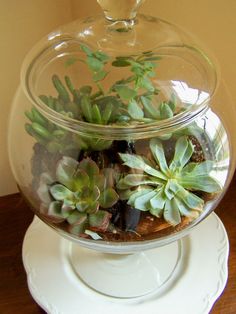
(190, 283)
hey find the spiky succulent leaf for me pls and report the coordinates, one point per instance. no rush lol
(158, 201)
(142, 201)
(198, 169)
(159, 155)
(183, 152)
(202, 183)
(137, 162)
(171, 212)
(131, 180)
(137, 193)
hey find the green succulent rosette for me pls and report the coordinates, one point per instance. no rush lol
(80, 195)
(168, 190)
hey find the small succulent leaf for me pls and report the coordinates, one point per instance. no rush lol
(185, 210)
(168, 191)
(183, 152)
(66, 210)
(172, 102)
(142, 202)
(78, 229)
(66, 168)
(94, 64)
(96, 115)
(149, 108)
(76, 217)
(134, 110)
(60, 192)
(158, 201)
(41, 130)
(99, 221)
(82, 205)
(91, 194)
(125, 92)
(190, 199)
(69, 202)
(38, 117)
(110, 177)
(29, 115)
(86, 49)
(137, 193)
(99, 76)
(106, 114)
(100, 181)
(173, 185)
(101, 56)
(90, 167)
(147, 84)
(188, 153)
(203, 183)
(165, 111)
(137, 162)
(93, 235)
(86, 108)
(62, 91)
(189, 168)
(54, 209)
(171, 212)
(125, 194)
(108, 198)
(92, 207)
(159, 155)
(198, 169)
(120, 62)
(80, 179)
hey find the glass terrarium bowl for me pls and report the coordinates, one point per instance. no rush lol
(118, 138)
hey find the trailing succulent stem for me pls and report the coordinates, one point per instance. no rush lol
(168, 190)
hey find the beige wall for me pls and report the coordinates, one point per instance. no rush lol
(23, 22)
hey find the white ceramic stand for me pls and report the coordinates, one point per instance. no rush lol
(183, 277)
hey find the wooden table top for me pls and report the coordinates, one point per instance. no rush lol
(15, 217)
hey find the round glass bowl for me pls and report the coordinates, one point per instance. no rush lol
(117, 134)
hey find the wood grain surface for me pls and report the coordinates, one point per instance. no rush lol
(15, 217)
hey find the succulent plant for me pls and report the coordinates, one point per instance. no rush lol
(132, 97)
(129, 100)
(79, 194)
(167, 190)
(51, 136)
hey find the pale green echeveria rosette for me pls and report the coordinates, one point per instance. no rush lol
(168, 190)
(79, 194)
